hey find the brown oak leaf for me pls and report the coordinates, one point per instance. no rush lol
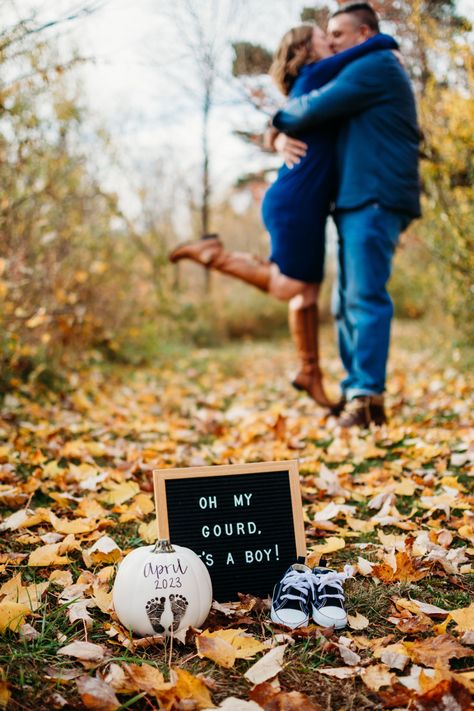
(436, 651)
(271, 699)
(448, 694)
(96, 694)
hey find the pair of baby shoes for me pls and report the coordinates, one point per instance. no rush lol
(304, 593)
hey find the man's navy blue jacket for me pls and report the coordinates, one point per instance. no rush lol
(378, 143)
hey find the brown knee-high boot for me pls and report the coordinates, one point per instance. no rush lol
(304, 329)
(209, 251)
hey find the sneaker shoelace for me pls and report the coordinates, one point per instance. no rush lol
(333, 579)
(300, 582)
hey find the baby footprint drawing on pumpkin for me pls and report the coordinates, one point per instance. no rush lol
(178, 608)
(154, 610)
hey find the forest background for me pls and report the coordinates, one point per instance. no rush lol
(86, 224)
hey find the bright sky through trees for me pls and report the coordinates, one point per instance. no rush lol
(138, 81)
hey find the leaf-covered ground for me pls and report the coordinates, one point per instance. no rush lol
(395, 502)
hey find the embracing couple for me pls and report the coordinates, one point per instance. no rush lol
(350, 140)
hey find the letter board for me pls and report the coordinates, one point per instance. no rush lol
(244, 521)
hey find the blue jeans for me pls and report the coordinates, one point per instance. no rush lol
(363, 307)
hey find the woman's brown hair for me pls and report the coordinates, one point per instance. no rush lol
(294, 51)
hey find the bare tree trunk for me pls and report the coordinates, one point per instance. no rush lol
(206, 184)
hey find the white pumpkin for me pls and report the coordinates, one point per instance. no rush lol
(162, 589)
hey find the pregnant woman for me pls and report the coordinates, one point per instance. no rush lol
(296, 206)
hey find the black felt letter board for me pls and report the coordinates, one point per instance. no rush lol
(242, 527)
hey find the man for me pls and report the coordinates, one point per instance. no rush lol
(378, 195)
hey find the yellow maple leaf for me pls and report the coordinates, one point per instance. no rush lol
(225, 646)
(190, 687)
(4, 690)
(77, 525)
(139, 508)
(52, 553)
(359, 524)
(47, 555)
(464, 618)
(333, 544)
(148, 531)
(217, 649)
(104, 550)
(29, 595)
(12, 614)
(102, 598)
(121, 493)
(405, 487)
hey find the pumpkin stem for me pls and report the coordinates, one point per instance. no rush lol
(163, 546)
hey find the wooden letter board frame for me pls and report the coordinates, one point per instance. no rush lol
(161, 476)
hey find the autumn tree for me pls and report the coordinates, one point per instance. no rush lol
(73, 269)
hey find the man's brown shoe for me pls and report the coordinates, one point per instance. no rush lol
(363, 411)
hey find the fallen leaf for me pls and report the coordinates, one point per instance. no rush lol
(360, 525)
(29, 595)
(271, 699)
(63, 578)
(216, 649)
(390, 540)
(376, 676)
(416, 606)
(4, 690)
(105, 550)
(225, 646)
(394, 656)
(77, 611)
(364, 566)
(407, 571)
(15, 520)
(267, 667)
(52, 554)
(414, 624)
(120, 493)
(357, 621)
(96, 694)
(232, 703)
(12, 614)
(333, 544)
(47, 555)
(398, 697)
(339, 672)
(190, 687)
(436, 651)
(464, 618)
(128, 678)
(148, 531)
(102, 598)
(28, 632)
(77, 525)
(348, 656)
(84, 651)
(448, 695)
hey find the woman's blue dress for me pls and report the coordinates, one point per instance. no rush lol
(296, 205)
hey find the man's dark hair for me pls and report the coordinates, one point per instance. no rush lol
(364, 12)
